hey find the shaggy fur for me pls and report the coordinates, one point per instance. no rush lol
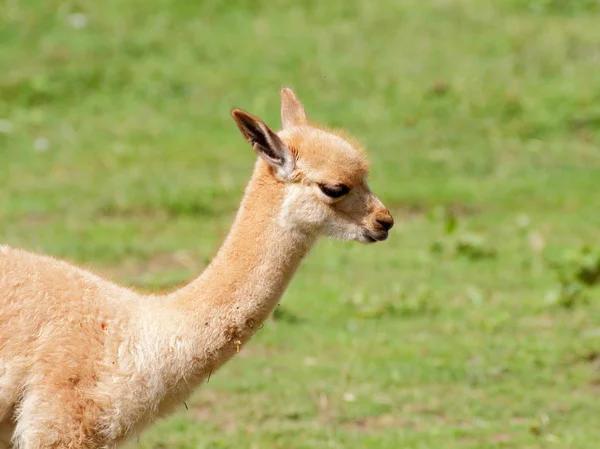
(86, 364)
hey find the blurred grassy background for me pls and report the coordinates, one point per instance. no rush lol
(476, 325)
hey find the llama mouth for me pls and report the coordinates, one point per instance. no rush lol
(371, 237)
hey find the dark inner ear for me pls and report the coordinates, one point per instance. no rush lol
(260, 137)
(256, 135)
(272, 155)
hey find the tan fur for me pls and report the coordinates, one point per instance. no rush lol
(85, 363)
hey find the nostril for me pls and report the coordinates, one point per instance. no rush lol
(386, 222)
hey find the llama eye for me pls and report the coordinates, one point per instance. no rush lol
(334, 191)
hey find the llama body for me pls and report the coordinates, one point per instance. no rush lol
(85, 363)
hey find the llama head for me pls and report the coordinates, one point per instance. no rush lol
(323, 173)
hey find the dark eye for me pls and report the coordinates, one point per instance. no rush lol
(334, 191)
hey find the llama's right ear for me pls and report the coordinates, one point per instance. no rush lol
(265, 142)
(292, 111)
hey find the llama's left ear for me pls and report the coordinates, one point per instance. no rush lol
(266, 143)
(292, 111)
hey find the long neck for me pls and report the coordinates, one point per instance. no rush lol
(249, 274)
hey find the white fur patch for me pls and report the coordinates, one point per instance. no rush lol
(299, 209)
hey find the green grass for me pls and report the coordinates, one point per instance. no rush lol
(117, 151)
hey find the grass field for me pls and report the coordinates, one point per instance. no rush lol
(477, 325)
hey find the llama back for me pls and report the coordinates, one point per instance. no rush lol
(42, 297)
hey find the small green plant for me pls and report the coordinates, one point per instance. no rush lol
(400, 302)
(474, 247)
(284, 315)
(578, 273)
(462, 243)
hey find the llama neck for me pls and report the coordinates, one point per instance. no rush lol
(248, 276)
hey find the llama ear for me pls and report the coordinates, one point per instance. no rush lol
(265, 142)
(292, 111)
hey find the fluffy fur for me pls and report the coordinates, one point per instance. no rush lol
(86, 364)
